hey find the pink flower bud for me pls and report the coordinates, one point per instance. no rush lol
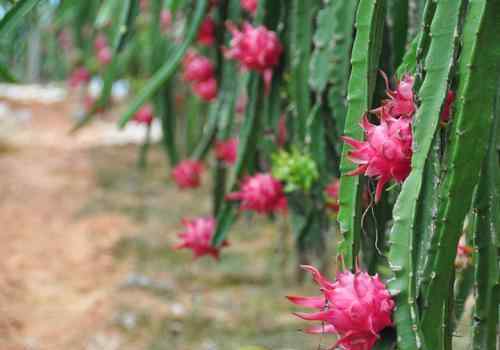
(165, 20)
(206, 90)
(250, 5)
(332, 192)
(356, 306)
(401, 101)
(187, 174)
(144, 115)
(386, 154)
(198, 236)
(197, 68)
(104, 56)
(79, 76)
(261, 193)
(206, 33)
(227, 151)
(100, 42)
(446, 112)
(256, 48)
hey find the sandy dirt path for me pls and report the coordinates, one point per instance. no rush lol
(57, 273)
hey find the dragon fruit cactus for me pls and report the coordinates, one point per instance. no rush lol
(227, 151)
(206, 33)
(198, 237)
(260, 193)
(401, 101)
(332, 196)
(250, 5)
(356, 306)
(144, 115)
(187, 174)
(256, 48)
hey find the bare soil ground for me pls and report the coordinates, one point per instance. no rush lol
(86, 260)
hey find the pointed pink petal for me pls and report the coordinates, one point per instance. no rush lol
(314, 302)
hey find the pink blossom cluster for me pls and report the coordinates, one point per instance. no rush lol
(187, 174)
(260, 193)
(255, 48)
(387, 150)
(198, 235)
(356, 306)
(103, 51)
(332, 192)
(199, 71)
(206, 33)
(144, 115)
(250, 5)
(78, 77)
(227, 151)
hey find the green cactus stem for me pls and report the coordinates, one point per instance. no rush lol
(369, 26)
(402, 236)
(478, 74)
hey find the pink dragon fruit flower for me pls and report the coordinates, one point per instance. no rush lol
(261, 193)
(282, 131)
(206, 89)
(250, 5)
(65, 41)
(198, 237)
(256, 48)
(401, 101)
(144, 115)
(241, 103)
(356, 306)
(227, 151)
(206, 33)
(187, 174)
(165, 20)
(332, 192)
(104, 56)
(446, 112)
(100, 42)
(464, 254)
(386, 154)
(144, 5)
(197, 68)
(78, 77)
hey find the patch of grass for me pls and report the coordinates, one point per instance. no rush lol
(224, 305)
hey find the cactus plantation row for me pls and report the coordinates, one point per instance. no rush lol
(372, 124)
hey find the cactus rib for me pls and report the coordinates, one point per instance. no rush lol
(369, 25)
(432, 93)
(478, 71)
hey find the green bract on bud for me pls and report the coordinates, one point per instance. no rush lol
(298, 171)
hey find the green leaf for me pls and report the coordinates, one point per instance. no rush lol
(16, 15)
(169, 67)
